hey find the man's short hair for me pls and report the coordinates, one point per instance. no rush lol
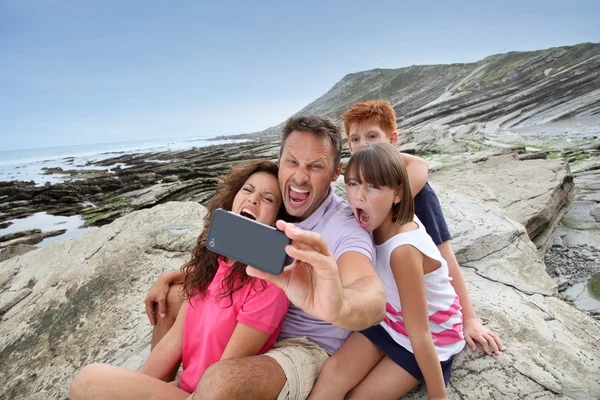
(321, 126)
(378, 112)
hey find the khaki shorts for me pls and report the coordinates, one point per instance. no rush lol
(301, 360)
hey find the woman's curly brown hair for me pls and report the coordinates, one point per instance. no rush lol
(202, 268)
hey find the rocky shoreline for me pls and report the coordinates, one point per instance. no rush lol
(86, 303)
(139, 181)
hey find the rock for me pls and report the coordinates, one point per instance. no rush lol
(12, 204)
(58, 193)
(17, 250)
(157, 193)
(484, 238)
(91, 189)
(98, 197)
(53, 233)
(4, 225)
(541, 155)
(9, 299)
(535, 193)
(44, 198)
(170, 179)
(30, 239)
(69, 200)
(11, 236)
(86, 303)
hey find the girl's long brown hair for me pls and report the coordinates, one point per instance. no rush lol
(201, 269)
(381, 164)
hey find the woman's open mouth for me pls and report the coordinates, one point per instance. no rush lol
(248, 213)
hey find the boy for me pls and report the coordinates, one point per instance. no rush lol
(374, 122)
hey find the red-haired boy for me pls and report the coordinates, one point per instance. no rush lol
(374, 122)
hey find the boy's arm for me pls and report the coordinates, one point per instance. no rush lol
(418, 172)
(407, 266)
(167, 352)
(472, 328)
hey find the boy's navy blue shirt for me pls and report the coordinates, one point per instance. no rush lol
(429, 211)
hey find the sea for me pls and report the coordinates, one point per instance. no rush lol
(29, 164)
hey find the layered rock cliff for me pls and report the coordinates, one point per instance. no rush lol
(512, 90)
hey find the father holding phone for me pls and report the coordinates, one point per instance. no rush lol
(332, 285)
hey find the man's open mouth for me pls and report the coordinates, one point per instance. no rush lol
(248, 214)
(297, 196)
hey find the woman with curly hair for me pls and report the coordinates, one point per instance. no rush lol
(227, 314)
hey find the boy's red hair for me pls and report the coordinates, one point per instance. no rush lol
(377, 112)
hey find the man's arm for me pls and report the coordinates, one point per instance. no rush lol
(158, 293)
(364, 295)
(348, 294)
(418, 172)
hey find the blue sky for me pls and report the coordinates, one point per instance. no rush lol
(76, 72)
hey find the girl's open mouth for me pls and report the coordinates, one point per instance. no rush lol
(362, 217)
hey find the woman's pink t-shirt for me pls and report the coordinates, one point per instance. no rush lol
(209, 323)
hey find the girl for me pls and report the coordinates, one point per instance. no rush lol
(227, 313)
(422, 330)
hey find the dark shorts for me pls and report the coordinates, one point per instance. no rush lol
(429, 211)
(404, 358)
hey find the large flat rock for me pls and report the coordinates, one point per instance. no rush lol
(82, 300)
(535, 193)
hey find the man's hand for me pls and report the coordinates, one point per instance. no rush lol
(157, 294)
(475, 331)
(312, 282)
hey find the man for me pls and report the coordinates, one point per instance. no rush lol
(375, 122)
(332, 283)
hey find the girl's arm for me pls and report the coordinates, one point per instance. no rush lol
(418, 172)
(407, 266)
(167, 352)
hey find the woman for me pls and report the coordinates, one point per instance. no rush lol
(227, 313)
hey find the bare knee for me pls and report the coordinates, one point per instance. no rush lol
(174, 301)
(330, 372)
(331, 382)
(216, 382)
(257, 377)
(85, 382)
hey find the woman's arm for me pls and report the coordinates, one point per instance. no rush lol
(167, 352)
(407, 266)
(260, 317)
(418, 172)
(245, 341)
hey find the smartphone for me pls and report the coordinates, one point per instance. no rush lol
(247, 241)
